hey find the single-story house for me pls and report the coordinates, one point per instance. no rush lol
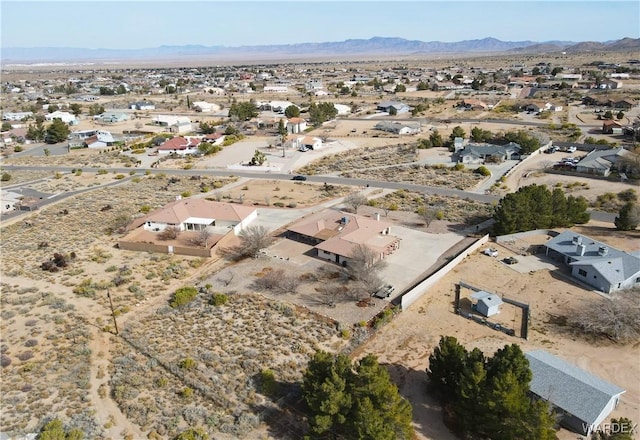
(66, 117)
(307, 143)
(611, 127)
(16, 116)
(398, 127)
(313, 84)
(487, 304)
(175, 124)
(596, 264)
(111, 117)
(91, 139)
(179, 145)
(9, 200)
(399, 107)
(197, 214)
(624, 104)
(537, 107)
(601, 162)
(583, 399)
(205, 107)
(296, 125)
(101, 139)
(479, 153)
(473, 104)
(275, 89)
(335, 234)
(213, 138)
(142, 105)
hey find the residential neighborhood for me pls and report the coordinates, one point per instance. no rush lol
(190, 244)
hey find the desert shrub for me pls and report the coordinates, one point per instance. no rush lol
(267, 383)
(617, 318)
(186, 393)
(101, 172)
(5, 361)
(25, 355)
(31, 343)
(628, 195)
(5, 177)
(219, 299)
(483, 171)
(278, 204)
(183, 296)
(458, 167)
(187, 364)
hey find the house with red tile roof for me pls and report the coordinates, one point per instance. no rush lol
(335, 235)
(179, 145)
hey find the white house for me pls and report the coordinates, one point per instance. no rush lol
(313, 84)
(296, 125)
(276, 89)
(91, 139)
(305, 143)
(205, 107)
(175, 124)
(142, 105)
(197, 215)
(66, 117)
(16, 116)
(583, 400)
(9, 199)
(398, 128)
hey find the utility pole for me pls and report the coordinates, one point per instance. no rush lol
(113, 313)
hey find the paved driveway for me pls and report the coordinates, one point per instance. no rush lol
(418, 252)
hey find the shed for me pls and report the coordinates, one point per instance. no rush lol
(488, 304)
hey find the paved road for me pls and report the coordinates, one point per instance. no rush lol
(446, 192)
(453, 121)
(450, 192)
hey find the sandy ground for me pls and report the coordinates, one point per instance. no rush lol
(407, 342)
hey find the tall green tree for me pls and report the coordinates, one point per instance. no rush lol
(457, 132)
(243, 110)
(436, 138)
(354, 402)
(628, 217)
(319, 113)
(57, 132)
(292, 111)
(76, 109)
(324, 388)
(446, 364)
(480, 135)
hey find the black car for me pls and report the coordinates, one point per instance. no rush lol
(510, 260)
(299, 178)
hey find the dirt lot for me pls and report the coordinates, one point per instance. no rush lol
(407, 342)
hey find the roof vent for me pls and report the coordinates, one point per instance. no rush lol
(603, 250)
(576, 239)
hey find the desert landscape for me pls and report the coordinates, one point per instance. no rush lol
(96, 336)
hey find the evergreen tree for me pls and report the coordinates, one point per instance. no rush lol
(436, 138)
(446, 364)
(628, 217)
(243, 110)
(559, 208)
(292, 111)
(577, 210)
(324, 388)
(351, 402)
(57, 132)
(457, 132)
(319, 113)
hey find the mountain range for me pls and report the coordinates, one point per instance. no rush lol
(352, 47)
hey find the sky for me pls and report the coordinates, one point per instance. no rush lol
(122, 24)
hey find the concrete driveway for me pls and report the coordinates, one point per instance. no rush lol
(418, 252)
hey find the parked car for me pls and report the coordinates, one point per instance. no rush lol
(299, 177)
(571, 149)
(492, 252)
(510, 260)
(384, 292)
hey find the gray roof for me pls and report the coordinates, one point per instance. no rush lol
(490, 299)
(481, 150)
(568, 387)
(396, 104)
(615, 267)
(602, 159)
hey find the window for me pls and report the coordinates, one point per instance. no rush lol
(582, 272)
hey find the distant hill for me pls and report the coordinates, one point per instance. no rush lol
(371, 46)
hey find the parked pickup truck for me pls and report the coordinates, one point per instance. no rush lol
(384, 292)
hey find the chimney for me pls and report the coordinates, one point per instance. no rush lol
(377, 216)
(577, 239)
(580, 249)
(603, 250)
